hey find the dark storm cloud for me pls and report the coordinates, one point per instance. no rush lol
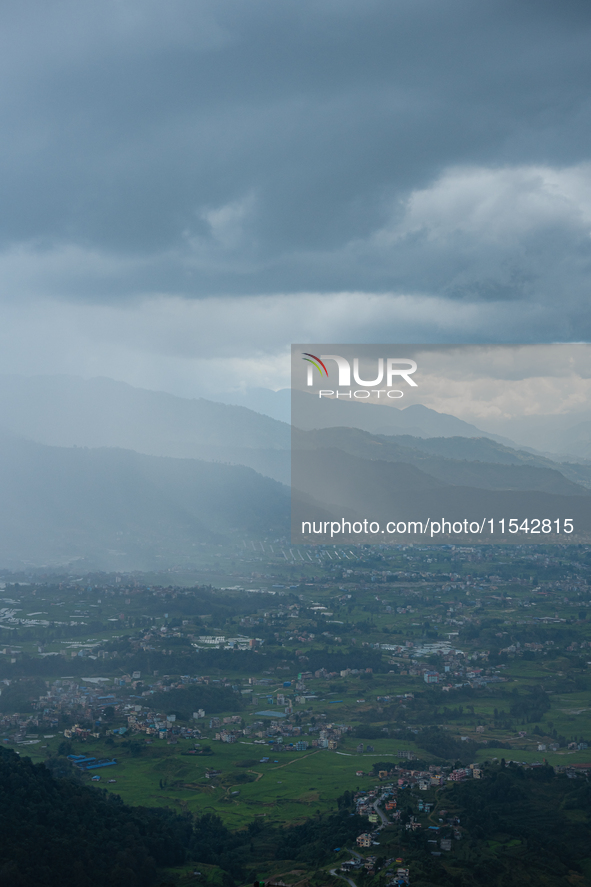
(262, 147)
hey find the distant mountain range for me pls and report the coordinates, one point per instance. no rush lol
(276, 404)
(309, 411)
(67, 411)
(119, 510)
(330, 483)
(132, 479)
(564, 436)
(491, 466)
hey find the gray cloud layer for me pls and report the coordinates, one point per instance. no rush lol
(418, 149)
(234, 147)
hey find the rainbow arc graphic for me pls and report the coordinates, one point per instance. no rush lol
(316, 362)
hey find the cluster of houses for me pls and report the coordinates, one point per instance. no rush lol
(398, 878)
(18, 728)
(63, 697)
(439, 837)
(281, 735)
(459, 669)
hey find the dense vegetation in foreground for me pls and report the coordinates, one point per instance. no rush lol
(518, 827)
(55, 831)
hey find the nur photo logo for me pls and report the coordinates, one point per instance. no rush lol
(389, 370)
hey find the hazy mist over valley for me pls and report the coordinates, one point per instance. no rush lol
(103, 474)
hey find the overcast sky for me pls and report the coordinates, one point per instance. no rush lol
(187, 187)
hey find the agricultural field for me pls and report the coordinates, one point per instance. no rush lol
(285, 788)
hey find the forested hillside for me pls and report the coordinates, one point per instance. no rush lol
(57, 832)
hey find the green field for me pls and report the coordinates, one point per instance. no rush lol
(289, 788)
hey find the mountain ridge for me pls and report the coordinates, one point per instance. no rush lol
(119, 509)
